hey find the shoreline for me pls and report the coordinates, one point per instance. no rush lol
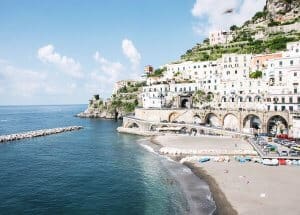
(223, 206)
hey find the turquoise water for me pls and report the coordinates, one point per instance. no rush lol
(91, 171)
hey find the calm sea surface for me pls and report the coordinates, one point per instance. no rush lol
(91, 171)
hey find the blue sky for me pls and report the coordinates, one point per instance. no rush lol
(62, 52)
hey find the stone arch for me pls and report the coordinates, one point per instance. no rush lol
(132, 125)
(248, 99)
(231, 121)
(223, 99)
(193, 131)
(173, 116)
(153, 127)
(183, 130)
(212, 119)
(240, 99)
(231, 99)
(257, 98)
(197, 119)
(252, 121)
(277, 124)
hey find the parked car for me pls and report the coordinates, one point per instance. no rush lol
(182, 122)
(165, 121)
(284, 153)
(295, 147)
(293, 153)
(174, 121)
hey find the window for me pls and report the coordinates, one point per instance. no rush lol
(280, 78)
(235, 71)
(282, 108)
(175, 89)
(291, 62)
(268, 107)
(291, 108)
(280, 63)
(275, 108)
(290, 99)
(295, 74)
(298, 100)
(282, 100)
(295, 90)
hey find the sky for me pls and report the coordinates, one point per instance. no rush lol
(65, 51)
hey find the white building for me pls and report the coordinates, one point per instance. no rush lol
(154, 96)
(220, 37)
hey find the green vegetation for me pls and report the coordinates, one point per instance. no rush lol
(233, 28)
(200, 97)
(260, 14)
(256, 74)
(275, 43)
(158, 72)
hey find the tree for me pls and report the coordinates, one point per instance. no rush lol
(233, 28)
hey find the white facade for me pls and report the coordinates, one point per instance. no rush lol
(220, 37)
(154, 96)
(228, 79)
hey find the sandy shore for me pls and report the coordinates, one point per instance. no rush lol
(203, 145)
(238, 188)
(253, 188)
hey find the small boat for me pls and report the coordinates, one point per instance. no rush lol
(281, 161)
(270, 162)
(203, 160)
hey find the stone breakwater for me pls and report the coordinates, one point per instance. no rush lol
(37, 133)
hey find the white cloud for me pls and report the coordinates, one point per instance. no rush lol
(21, 82)
(211, 16)
(103, 78)
(131, 53)
(111, 70)
(47, 55)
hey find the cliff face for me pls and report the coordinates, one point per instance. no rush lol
(282, 10)
(120, 104)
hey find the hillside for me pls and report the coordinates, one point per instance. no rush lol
(267, 31)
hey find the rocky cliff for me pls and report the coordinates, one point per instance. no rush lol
(282, 10)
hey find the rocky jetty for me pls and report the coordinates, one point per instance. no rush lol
(37, 133)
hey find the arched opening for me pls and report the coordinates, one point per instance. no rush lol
(251, 121)
(212, 119)
(153, 128)
(183, 130)
(240, 99)
(257, 98)
(231, 122)
(232, 99)
(277, 125)
(193, 132)
(133, 125)
(223, 99)
(172, 117)
(196, 119)
(184, 103)
(248, 99)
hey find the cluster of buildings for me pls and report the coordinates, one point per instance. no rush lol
(264, 82)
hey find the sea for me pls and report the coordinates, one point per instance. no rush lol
(95, 170)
